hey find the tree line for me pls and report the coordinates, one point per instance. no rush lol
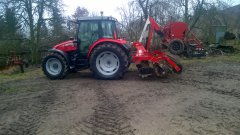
(29, 26)
(200, 15)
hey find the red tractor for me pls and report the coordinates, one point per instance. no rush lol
(98, 47)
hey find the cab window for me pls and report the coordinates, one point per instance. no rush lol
(107, 29)
(88, 34)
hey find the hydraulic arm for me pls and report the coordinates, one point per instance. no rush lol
(156, 62)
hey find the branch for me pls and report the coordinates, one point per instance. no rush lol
(199, 10)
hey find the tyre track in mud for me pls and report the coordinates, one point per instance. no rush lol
(108, 117)
(212, 113)
(209, 87)
(206, 83)
(210, 116)
(31, 114)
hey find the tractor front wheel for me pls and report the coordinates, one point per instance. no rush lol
(54, 66)
(108, 61)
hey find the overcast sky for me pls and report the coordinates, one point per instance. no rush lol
(109, 7)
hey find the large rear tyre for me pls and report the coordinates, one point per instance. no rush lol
(129, 62)
(108, 61)
(54, 66)
(176, 47)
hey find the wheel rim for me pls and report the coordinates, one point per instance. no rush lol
(53, 66)
(107, 63)
(176, 46)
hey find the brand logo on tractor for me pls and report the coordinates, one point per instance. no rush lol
(69, 44)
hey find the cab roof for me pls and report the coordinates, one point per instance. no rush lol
(97, 18)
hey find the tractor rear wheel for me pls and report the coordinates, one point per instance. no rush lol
(176, 46)
(54, 66)
(129, 62)
(108, 61)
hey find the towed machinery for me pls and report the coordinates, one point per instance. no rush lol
(97, 46)
(178, 38)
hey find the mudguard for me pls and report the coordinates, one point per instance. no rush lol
(105, 40)
(60, 52)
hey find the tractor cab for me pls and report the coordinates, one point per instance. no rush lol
(92, 29)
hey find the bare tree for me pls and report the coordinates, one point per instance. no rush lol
(80, 12)
(131, 20)
(145, 6)
(186, 10)
(33, 14)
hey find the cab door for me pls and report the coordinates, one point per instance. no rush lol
(88, 34)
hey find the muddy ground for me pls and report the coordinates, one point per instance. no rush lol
(204, 99)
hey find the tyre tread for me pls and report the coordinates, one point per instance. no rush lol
(112, 46)
(62, 60)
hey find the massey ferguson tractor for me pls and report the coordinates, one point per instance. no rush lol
(97, 46)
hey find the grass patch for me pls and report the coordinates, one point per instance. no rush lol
(29, 74)
(9, 83)
(224, 58)
(16, 87)
(11, 89)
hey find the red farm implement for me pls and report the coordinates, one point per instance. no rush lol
(180, 40)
